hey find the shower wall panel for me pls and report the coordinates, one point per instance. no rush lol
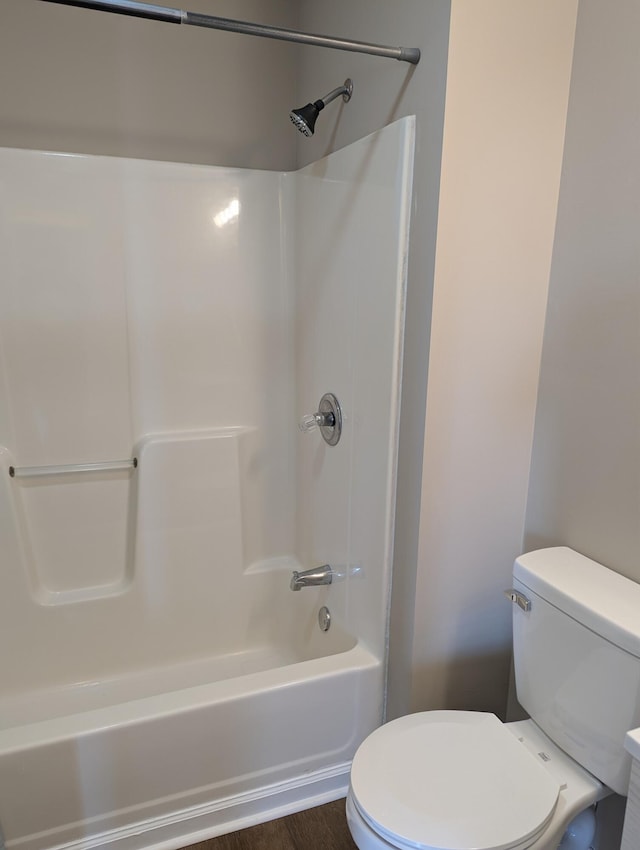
(145, 312)
(150, 310)
(351, 243)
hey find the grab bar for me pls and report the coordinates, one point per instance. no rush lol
(72, 468)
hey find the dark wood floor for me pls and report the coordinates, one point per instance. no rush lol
(323, 828)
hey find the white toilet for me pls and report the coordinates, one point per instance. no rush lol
(458, 780)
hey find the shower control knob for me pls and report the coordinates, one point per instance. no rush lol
(328, 419)
(312, 420)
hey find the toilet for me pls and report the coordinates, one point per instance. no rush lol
(463, 780)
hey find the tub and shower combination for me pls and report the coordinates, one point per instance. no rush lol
(163, 330)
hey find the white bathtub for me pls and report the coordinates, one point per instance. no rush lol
(173, 756)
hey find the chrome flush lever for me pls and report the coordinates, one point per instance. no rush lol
(518, 599)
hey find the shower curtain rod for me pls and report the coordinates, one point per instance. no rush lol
(177, 16)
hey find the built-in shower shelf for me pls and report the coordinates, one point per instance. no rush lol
(72, 468)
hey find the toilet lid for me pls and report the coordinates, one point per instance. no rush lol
(451, 780)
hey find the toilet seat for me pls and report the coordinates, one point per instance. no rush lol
(451, 780)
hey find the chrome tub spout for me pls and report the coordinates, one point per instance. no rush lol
(311, 578)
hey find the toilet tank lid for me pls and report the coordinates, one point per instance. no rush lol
(599, 598)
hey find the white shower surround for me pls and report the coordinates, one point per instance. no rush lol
(163, 683)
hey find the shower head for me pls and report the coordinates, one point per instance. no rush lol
(305, 117)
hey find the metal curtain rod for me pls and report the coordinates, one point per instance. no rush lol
(177, 16)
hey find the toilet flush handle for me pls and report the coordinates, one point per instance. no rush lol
(518, 599)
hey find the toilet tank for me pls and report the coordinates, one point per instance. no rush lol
(577, 657)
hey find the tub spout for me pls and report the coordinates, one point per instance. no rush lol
(311, 578)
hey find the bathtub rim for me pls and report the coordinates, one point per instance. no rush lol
(133, 712)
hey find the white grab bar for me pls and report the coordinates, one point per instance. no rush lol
(72, 468)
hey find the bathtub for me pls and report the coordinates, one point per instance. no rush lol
(171, 756)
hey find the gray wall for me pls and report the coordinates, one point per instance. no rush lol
(385, 90)
(83, 81)
(585, 472)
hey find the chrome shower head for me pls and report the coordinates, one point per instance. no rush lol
(305, 117)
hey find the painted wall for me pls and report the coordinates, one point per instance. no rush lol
(383, 91)
(507, 91)
(585, 473)
(81, 81)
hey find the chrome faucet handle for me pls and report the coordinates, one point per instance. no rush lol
(328, 419)
(312, 420)
(308, 422)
